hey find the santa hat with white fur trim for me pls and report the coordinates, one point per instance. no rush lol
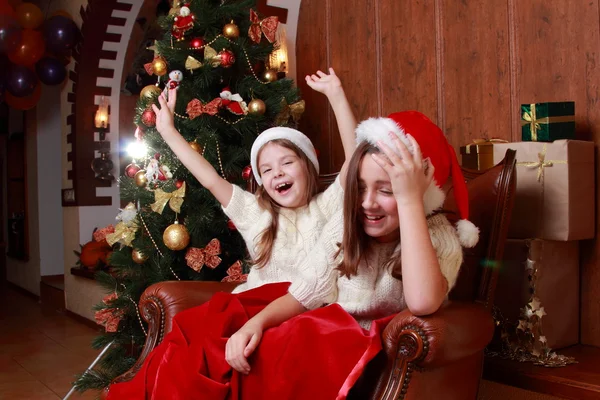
(281, 132)
(434, 146)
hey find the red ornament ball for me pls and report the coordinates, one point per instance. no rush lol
(227, 58)
(247, 172)
(197, 43)
(131, 170)
(149, 118)
(157, 156)
(231, 225)
(178, 184)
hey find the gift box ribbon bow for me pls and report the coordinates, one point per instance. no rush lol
(541, 163)
(478, 142)
(530, 118)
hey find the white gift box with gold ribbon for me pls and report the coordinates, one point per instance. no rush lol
(555, 197)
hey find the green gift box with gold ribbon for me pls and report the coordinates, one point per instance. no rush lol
(547, 122)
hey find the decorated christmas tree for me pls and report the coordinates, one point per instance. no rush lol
(214, 53)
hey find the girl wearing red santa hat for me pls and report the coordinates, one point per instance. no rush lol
(398, 250)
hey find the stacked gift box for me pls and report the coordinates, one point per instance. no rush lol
(538, 285)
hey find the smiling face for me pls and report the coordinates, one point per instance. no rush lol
(378, 212)
(284, 175)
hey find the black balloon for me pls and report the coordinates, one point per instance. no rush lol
(21, 81)
(51, 71)
(10, 34)
(61, 34)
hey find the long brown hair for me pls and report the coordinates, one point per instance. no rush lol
(355, 242)
(268, 236)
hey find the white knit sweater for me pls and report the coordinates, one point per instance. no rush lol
(373, 293)
(297, 234)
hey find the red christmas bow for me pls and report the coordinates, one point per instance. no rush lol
(197, 258)
(196, 108)
(234, 273)
(149, 67)
(268, 26)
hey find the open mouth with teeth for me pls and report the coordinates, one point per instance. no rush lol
(373, 218)
(283, 188)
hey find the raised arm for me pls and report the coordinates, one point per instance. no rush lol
(331, 86)
(194, 162)
(425, 286)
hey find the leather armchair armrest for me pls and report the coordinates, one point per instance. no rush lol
(161, 302)
(456, 331)
(166, 299)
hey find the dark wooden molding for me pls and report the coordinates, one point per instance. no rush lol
(280, 13)
(83, 273)
(96, 17)
(576, 381)
(22, 291)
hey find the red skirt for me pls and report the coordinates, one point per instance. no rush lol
(319, 354)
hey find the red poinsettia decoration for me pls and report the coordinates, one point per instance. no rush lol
(109, 317)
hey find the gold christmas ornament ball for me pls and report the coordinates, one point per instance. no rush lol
(257, 107)
(231, 31)
(270, 75)
(140, 178)
(196, 147)
(159, 66)
(150, 92)
(138, 257)
(176, 237)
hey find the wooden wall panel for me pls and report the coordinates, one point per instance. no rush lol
(312, 54)
(465, 64)
(353, 56)
(408, 57)
(475, 71)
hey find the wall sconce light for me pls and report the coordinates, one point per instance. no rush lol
(102, 166)
(279, 58)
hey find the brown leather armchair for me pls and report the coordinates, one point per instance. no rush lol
(435, 357)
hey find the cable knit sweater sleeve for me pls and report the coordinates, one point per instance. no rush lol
(316, 283)
(243, 209)
(447, 246)
(331, 200)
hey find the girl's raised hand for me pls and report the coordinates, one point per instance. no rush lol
(164, 116)
(330, 85)
(407, 172)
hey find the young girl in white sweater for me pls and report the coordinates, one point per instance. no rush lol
(281, 223)
(398, 252)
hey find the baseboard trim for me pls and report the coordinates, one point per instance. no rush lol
(83, 320)
(23, 291)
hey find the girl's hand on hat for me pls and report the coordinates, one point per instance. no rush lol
(164, 116)
(407, 172)
(330, 85)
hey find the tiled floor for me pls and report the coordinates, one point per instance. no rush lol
(40, 351)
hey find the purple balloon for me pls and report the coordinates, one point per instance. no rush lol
(10, 34)
(61, 34)
(21, 81)
(50, 71)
